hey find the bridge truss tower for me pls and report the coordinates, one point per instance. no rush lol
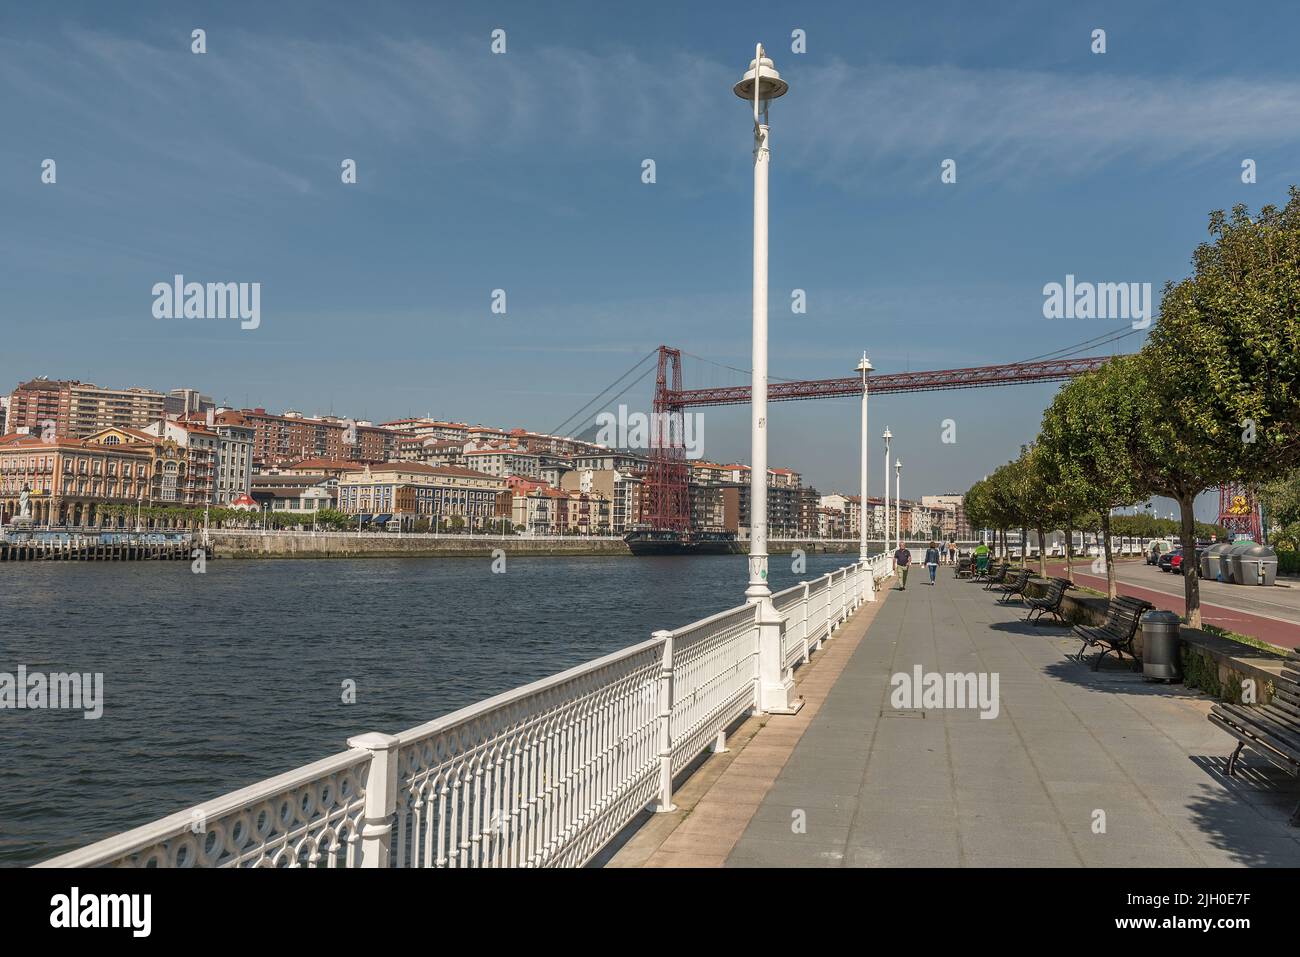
(1239, 511)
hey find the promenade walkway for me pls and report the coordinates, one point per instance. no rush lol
(1076, 769)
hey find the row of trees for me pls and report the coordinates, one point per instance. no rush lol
(1213, 396)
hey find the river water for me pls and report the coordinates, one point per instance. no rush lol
(214, 681)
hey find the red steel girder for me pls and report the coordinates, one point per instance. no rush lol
(1050, 370)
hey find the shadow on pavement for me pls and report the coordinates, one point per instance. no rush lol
(1116, 678)
(1022, 627)
(1247, 819)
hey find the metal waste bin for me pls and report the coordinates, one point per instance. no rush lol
(1230, 560)
(1211, 566)
(1256, 565)
(1161, 656)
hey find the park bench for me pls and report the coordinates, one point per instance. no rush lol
(1049, 603)
(1123, 616)
(1014, 587)
(1271, 730)
(997, 576)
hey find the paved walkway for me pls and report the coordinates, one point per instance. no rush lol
(716, 804)
(1076, 769)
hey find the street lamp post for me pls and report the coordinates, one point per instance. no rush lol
(760, 85)
(887, 436)
(898, 501)
(868, 587)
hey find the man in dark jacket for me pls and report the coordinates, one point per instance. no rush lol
(902, 559)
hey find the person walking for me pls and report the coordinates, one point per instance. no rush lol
(932, 560)
(952, 553)
(902, 560)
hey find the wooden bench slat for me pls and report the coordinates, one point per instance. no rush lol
(1256, 744)
(1259, 722)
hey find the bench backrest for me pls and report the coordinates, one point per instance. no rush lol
(1286, 689)
(1055, 590)
(1124, 613)
(1021, 578)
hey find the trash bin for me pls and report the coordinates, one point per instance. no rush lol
(1254, 565)
(1231, 561)
(1211, 566)
(1161, 656)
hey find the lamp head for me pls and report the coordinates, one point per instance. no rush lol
(888, 435)
(898, 464)
(865, 365)
(770, 84)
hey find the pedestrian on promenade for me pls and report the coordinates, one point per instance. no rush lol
(902, 560)
(932, 560)
(952, 553)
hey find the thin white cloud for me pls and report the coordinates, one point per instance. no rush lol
(256, 104)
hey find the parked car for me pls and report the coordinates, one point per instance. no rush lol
(1166, 560)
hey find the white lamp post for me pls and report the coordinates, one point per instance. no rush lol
(887, 436)
(868, 590)
(760, 85)
(864, 367)
(898, 500)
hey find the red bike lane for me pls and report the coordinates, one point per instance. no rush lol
(1281, 633)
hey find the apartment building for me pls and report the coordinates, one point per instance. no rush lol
(409, 491)
(631, 463)
(620, 489)
(197, 485)
(954, 523)
(69, 407)
(503, 461)
(234, 456)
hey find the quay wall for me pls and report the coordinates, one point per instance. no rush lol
(244, 544)
(344, 545)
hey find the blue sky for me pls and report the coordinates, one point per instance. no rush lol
(522, 171)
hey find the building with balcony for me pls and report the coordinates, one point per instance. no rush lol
(409, 491)
(91, 481)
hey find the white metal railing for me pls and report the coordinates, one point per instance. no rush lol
(540, 776)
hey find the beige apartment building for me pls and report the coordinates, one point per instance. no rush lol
(621, 490)
(77, 409)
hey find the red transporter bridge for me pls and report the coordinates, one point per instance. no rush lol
(666, 499)
(1239, 512)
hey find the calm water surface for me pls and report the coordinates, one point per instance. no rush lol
(214, 681)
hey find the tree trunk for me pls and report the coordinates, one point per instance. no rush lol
(1191, 583)
(1024, 546)
(1069, 564)
(1112, 589)
(1042, 554)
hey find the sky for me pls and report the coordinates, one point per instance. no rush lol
(523, 171)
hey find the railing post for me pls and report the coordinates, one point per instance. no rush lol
(868, 581)
(844, 596)
(803, 615)
(665, 802)
(826, 606)
(775, 684)
(381, 796)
